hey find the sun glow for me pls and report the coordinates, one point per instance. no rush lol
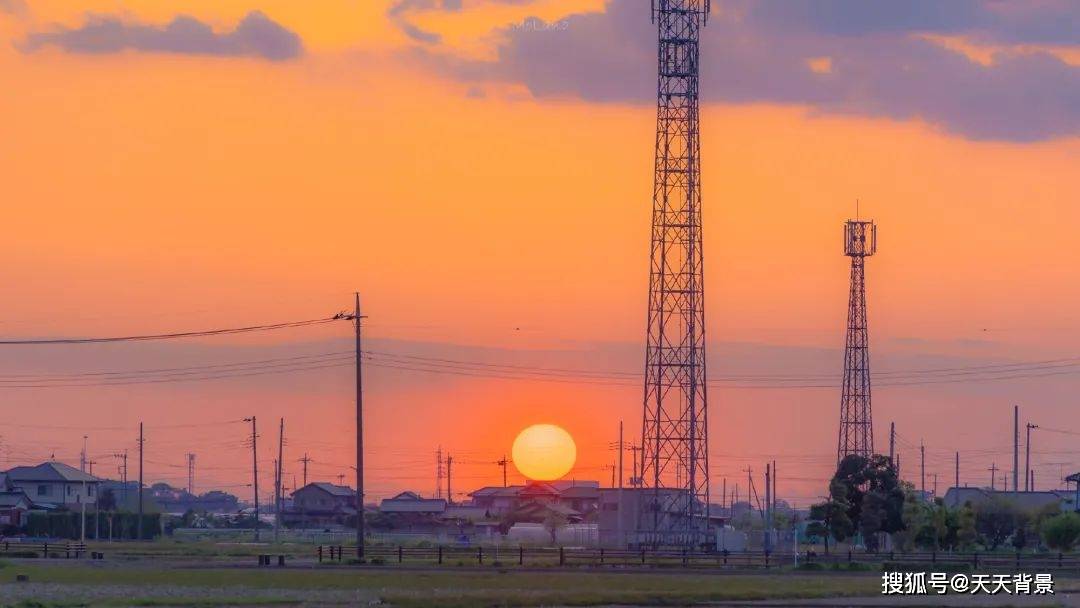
(544, 452)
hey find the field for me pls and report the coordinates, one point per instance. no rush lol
(186, 583)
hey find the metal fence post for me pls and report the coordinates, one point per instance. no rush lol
(399, 554)
(480, 555)
(562, 557)
(319, 552)
(440, 555)
(521, 555)
(601, 555)
(849, 556)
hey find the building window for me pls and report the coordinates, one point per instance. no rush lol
(68, 490)
(89, 490)
(43, 490)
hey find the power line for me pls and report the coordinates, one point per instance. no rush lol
(175, 335)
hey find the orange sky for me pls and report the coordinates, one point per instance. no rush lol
(152, 192)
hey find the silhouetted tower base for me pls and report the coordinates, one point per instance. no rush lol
(856, 427)
(675, 462)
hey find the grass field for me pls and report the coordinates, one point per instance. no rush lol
(147, 584)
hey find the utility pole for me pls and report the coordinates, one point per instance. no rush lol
(82, 455)
(768, 507)
(449, 492)
(1027, 459)
(142, 441)
(774, 486)
(502, 463)
(993, 474)
(922, 466)
(724, 503)
(438, 472)
(255, 472)
(935, 485)
(357, 318)
(958, 469)
(191, 474)
(892, 441)
(305, 460)
(1016, 449)
(277, 475)
(622, 448)
(123, 476)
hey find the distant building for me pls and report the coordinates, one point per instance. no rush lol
(54, 484)
(321, 504)
(1028, 501)
(581, 497)
(13, 508)
(620, 511)
(411, 502)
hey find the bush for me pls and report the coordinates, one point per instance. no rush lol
(1061, 531)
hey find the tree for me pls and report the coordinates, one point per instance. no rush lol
(833, 515)
(995, 519)
(966, 534)
(553, 522)
(871, 492)
(1061, 531)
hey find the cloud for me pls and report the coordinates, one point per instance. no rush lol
(14, 7)
(881, 62)
(256, 35)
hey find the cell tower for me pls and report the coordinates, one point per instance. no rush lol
(856, 428)
(675, 460)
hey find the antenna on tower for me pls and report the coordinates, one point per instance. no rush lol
(856, 426)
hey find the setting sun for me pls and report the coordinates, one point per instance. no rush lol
(544, 452)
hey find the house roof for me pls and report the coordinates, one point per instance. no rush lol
(496, 491)
(465, 512)
(410, 502)
(13, 499)
(580, 492)
(538, 488)
(566, 484)
(329, 488)
(49, 471)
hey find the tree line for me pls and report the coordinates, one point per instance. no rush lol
(867, 502)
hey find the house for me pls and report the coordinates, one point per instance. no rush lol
(496, 500)
(411, 502)
(55, 484)
(13, 508)
(582, 497)
(321, 504)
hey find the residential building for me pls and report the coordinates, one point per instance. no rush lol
(55, 484)
(411, 502)
(13, 508)
(321, 504)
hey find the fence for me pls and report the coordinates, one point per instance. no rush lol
(66, 550)
(561, 556)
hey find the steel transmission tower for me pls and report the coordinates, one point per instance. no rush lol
(856, 427)
(675, 462)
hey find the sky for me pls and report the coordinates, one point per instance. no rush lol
(480, 171)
